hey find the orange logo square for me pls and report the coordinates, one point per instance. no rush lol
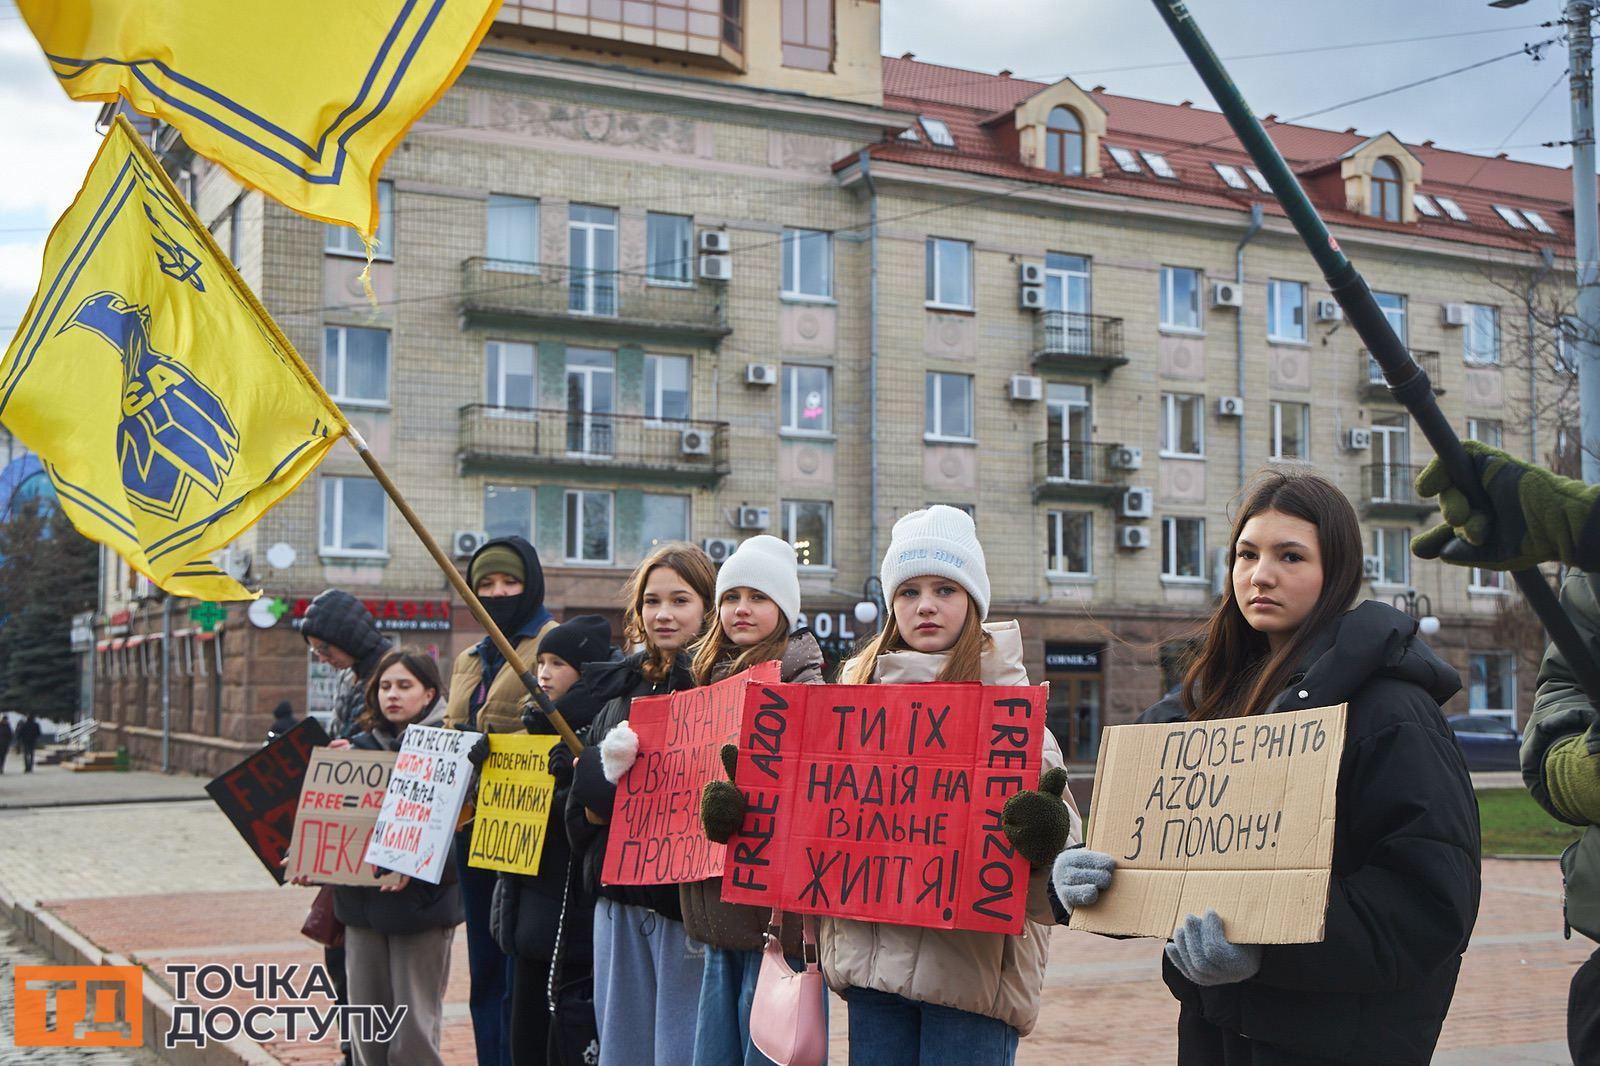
(79, 1006)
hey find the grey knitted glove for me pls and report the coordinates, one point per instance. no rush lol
(1205, 956)
(1080, 875)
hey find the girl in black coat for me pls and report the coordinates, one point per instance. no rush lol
(1404, 892)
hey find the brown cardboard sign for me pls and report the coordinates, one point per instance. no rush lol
(333, 821)
(1233, 814)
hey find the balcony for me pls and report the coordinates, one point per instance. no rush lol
(703, 33)
(1389, 489)
(1076, 470)
(596, 446)
(1373, 387)
(1072, 341)
(555, 298)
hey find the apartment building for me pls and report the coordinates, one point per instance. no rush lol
(690, 269)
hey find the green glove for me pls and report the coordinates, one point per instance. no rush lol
(722, 805)
(1037, 823)
(1536, 516)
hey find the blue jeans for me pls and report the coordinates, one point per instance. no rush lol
(722, 1037)
(491, 969)
(889, 1030)
(647, 975)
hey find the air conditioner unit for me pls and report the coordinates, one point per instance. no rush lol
(1030, 273)
(1133, 536)
(1230, 406)
(467, 541)
(1026, 387)
(1455, 314)
(1030, 298)
(716, 267)
(1123, 457)
(760, 374)
(753, 518)
(1136, 503)
(694, 442)
(719, 548)
(1329, 311)
(714, 241)
(1359, 440)
(1371, 567)
(1226, 294)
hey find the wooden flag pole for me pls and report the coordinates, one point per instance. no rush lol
(529, 682)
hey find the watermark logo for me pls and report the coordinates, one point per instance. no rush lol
(79, 1006)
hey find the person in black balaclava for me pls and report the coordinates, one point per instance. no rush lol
(487, 696)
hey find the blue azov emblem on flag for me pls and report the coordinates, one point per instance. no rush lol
(175, 432)
(174, 259)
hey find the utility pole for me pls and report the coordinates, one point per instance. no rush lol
(1586, 228)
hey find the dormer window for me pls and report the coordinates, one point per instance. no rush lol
(1451, 208)
(1158, 164)
(1063, 142)
(1125, 159)
(1509, 216)
(938, 133)
(1425, 205)
(1537, 220)
(1230, 175)
(1385, 199)
(1258, 179)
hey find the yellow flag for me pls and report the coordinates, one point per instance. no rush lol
(302, 99)
(168, 409)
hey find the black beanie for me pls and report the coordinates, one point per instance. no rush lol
(584, 639)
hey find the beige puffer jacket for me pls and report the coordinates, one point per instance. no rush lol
(986, 973)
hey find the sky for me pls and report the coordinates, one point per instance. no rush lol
(1512, 105)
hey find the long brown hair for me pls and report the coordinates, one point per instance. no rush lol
(716, 647)
(695, 568)
(963, 662)
(419, 664)
(1236, 674)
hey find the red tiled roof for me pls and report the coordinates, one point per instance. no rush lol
(1192, 138)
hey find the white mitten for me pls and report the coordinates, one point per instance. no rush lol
(618, 750)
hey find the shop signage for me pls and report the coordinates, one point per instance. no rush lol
(398, 615)
(1073, 658)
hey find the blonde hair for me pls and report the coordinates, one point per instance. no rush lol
(963, 662)
(717, 647)
(695, 568)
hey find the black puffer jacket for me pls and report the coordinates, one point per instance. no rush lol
(616, 684)
(1404, 894)
(340, 619)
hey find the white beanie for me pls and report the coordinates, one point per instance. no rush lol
(766, 564)
(937, 542)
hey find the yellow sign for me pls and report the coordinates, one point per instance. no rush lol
(515, 792)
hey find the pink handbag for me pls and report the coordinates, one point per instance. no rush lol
(788, 1015)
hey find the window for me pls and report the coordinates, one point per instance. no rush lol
(1423, 204)
(949, 273)
(344, 240)
(1230, 175)
(1286, 311)
(1493, 685)
(807, 34)
(1537, 221)
(592, 260)
(1509, 216)
(938, 133)
(1567, 336)
(1069, 543)
(508, 511)
(1393, 306)
(807, 399)
(1451, 208)
(1182, 425)
(1183, 543)
(1180, 298)
(1063, 141)
(909, 134)
(1067, 421)
(1392, 547)
(588, 526)
(1385, 200)
(808, 525)
(513, 234)
(1291, 430)
(508, 374)
(1126, 161)
(1258, 179)
(1481, 339)
(666, 387)
(1488, 431)
(808, 264)
(1486, 580)
(591, 401)
(355, 364)
(663, 518)
(949, 406)
(1158, 164)
(669, 249)
(353, 518)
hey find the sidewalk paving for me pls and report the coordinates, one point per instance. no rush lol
(172, 882)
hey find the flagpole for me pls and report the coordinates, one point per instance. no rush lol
(460, 583)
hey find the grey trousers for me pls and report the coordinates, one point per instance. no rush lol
(647, 975)
(391, 969)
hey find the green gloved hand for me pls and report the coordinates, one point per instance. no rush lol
(1536, 516)
(722, 805)
(1037, 823)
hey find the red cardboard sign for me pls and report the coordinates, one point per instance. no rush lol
(656, 836)
(882, 802)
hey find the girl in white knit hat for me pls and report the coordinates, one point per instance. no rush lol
(758, 600)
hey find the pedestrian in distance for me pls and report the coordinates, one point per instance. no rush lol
(282, 721)
(27, 739)
(1403, 897)
(758, 597)
(5, 739)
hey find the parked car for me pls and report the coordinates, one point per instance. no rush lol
(1487, 742)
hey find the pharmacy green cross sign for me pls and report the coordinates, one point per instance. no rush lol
(208, 616)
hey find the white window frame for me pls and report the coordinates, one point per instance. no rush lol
(1171, 423)
(1168, 300)
(1278, 411)
(334, 358)
(1258, 179)
(1055, 543)
(345, 241)
(1275, 287)
(1169, 547)
(566, 527)
(654, 400)
(1425, 205)
(495, 399)
(1381, 536)
(331, 495)
(1479, 429)
(789, 417)
(495, 263)
(1469, 354)
(1451, 208)
(1230, 175)
(934, 272)
(790, 245)
(597, 285)
(1158, 164)
(533, 506)
(938, 131)
(934, 414)
(790, 511)
(686, 261)
(1126, 161)
(1492, 582)
(1507, 714)
(1537, 221)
